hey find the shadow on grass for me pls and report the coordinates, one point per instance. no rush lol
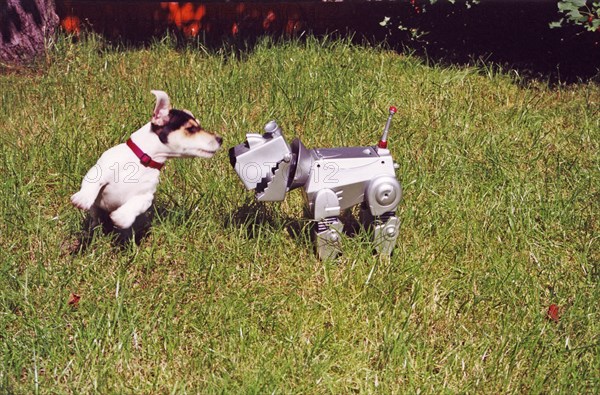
(252, 216)
(100, 223)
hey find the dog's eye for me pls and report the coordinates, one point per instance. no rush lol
(193, 129)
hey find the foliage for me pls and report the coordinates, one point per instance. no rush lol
(409, 25)
(579, 13)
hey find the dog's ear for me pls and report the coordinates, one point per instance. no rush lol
(161, 110)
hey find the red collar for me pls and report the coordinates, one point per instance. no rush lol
(145, 159)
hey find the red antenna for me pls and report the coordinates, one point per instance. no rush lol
(383, 142)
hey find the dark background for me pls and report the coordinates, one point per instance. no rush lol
(513, 34)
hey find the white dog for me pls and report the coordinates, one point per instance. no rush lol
(123, 181)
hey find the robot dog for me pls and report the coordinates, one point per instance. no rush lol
(333, 179)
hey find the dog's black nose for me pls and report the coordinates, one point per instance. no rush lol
(219, 139)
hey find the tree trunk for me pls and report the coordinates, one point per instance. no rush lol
(24, 27)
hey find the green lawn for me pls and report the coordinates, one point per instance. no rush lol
(500, 219)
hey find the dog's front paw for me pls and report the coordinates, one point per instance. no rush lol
(122, 219)
(82, 201)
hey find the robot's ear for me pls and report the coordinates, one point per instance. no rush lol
(254, 140)
(160, 117)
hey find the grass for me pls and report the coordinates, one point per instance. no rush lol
(499, 220)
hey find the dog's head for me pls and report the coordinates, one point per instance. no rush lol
(181, 131)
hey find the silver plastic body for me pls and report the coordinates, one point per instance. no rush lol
(332, 179)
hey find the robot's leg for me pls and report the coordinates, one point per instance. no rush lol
(328, 227)
(379, 212)
(327, 234)
(385, 229)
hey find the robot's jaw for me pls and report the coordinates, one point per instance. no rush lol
(262, 162)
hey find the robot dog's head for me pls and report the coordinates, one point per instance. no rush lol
(263, 163)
